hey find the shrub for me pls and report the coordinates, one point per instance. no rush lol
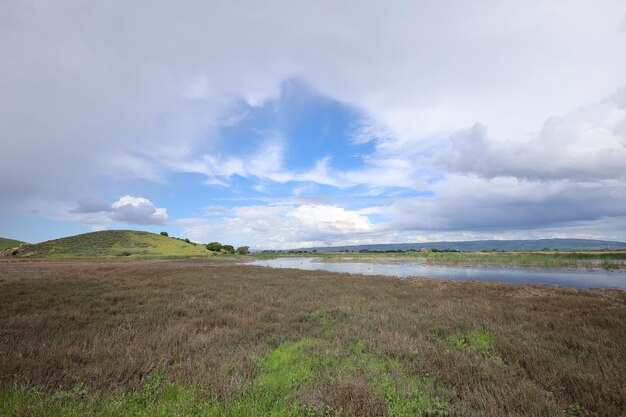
(243, 250)
(228, 248)
(164, 234)
(214, 246)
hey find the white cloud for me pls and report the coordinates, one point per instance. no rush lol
(100, 215)
(139, 89)
(460, 208)
(281, 226)
(329, 219)
(97, 213)
(586, 144)
(137, 210)
(216, 211)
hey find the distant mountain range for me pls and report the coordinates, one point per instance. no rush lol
(480, 245)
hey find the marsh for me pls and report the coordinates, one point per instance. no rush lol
(217, 338)
(566, 277)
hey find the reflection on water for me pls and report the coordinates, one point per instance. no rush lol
(566, 277)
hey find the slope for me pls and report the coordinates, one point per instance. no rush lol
(9, 243)
(110, 243)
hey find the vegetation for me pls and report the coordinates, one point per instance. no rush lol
(228, 249)
(115, 243)
(489, 245)
(590, 259)
(124, 243)
(243, 250)
(140, 337)
(214, 246)
(8, 243)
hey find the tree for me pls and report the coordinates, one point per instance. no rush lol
(243, 250)
(228, 248)
(164, 234)
(214, 246)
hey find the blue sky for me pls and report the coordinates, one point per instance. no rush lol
(275, 128)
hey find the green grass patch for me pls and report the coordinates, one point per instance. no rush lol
(281, 371)
(8, 243)
(287, 372)
(474, 341)
(284, 375)
(404, 394)
(156, 398)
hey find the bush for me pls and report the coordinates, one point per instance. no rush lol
(243, 250)
(228, 248)
(214, 246)
(164, 234)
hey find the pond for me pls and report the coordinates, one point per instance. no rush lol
(566, 277)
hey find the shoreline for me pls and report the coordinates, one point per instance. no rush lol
(617, 264)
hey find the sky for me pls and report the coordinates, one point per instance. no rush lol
(286, 124)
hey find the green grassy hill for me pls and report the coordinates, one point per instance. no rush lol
(8, 243)
(114, 243)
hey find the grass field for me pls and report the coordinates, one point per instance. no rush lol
(213, 338)
(8, 243)
(116, 243)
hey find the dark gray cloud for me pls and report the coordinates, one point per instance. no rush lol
(475, 204)
(91, 205)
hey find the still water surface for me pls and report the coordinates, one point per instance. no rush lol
(566, 277)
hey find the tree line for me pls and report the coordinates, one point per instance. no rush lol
(216, 246)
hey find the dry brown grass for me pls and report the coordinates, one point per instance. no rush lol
(109, 324)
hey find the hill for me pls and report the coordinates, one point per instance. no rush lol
(109, 243)
(480, 245)
(8, 243)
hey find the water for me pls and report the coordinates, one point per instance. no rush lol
(566, 277)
